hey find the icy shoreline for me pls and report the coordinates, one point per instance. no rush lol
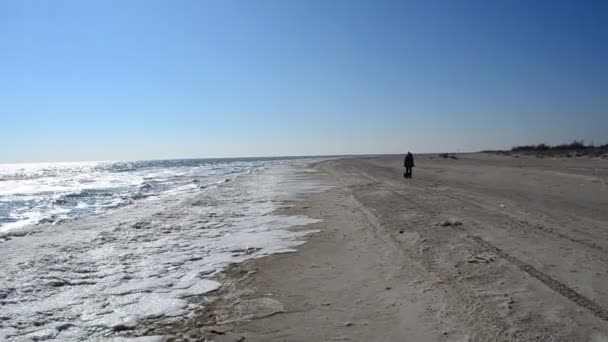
(155, 259)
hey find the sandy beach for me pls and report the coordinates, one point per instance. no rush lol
(238, 171)
(479, 248)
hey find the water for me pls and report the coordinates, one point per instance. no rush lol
(90, 250)
(56, 192)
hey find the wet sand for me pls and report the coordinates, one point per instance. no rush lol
(479, 248)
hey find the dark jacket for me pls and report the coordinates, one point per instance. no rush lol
(409, 160)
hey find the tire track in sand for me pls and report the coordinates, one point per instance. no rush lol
(562, 289)
(424, 187)
(557, 286)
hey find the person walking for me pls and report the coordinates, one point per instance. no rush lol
(409, 164)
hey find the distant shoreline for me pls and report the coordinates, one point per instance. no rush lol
(577, 148)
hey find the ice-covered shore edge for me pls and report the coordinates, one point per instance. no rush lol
(98, 278)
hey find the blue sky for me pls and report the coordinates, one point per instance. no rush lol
(99, 80)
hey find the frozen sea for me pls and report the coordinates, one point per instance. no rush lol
(88, 250)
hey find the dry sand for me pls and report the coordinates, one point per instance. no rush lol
(480, 248)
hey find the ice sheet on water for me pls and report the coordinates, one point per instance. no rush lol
(136, 339)
(55, 192)
(101, 275)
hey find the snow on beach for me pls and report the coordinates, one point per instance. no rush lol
(154, 259)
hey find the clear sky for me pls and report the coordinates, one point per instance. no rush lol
(98, 80)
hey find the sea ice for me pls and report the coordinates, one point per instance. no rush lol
(101, 275)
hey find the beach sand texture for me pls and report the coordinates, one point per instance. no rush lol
(479, 248)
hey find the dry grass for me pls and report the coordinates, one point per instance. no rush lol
(577, 148)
